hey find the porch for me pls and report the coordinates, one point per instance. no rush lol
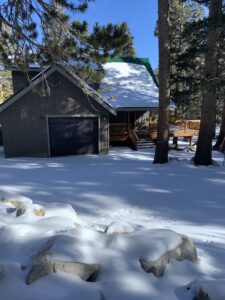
(136, 137)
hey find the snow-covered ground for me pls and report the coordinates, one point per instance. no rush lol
(123, 186)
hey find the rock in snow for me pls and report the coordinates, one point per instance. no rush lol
(185, 250)
(44, 265)
(64, 245)
(15, 200)
(209, 289)
(82, 251)
(26, 209)
(121, 227)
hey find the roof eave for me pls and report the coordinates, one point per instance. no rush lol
(136, 108)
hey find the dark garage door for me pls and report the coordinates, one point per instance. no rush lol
(73, 135)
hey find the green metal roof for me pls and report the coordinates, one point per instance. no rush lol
(139, 61)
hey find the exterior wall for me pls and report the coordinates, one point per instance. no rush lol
(20, 80)
(121, 117)
(24, 123)
(137, 118)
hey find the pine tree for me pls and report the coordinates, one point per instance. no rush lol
(220, 143)
(184, 72)
(203, 154)
(162, 147)
(5, 85)
(53, 36)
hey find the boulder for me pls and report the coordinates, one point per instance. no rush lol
(39, 212)
(44, 265)
(207, 289)
(120, 227)
(201, 296)
(29, 209)
(15, 201)
(87, 272)
(185, 251)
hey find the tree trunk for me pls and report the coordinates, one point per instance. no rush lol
(203, 154)
(220, 140)
(162, 147)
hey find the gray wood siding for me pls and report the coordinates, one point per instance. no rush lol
(20, 80)
(1, 142)
(24, 123)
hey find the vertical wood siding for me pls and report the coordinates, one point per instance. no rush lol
(20, 79)
(24, 123)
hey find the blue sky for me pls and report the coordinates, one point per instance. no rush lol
(141, 16)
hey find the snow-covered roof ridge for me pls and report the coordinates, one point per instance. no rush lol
(128, 83)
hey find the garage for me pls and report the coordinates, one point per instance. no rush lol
(71, 119)
(73, 135)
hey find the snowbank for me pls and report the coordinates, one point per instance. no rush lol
(210, 289)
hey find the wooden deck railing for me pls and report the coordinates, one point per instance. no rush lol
(122, 132)
(118, 132)
(133, 137)
(188, 124)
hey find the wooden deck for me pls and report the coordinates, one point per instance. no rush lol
(180, 129)
(123, 132)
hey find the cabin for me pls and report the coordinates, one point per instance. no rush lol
(54, 114)
(131, 88)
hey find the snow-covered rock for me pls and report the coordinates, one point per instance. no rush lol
(27, 209)
(60, 286)
(184, 251)
(150, 249)
(26, 228)
(121, 227)
(44, 265)
(15, 200)
(63, 210)
(89, 246)
(210, 289)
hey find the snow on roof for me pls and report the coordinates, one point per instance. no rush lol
(127, 85)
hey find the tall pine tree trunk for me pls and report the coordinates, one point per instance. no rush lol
(203, 154)
(162, 147)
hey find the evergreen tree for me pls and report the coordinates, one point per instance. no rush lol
(184, 72)
(162, 147)
(203, 154)
(5, 85)
(220, 143)
(54, 36)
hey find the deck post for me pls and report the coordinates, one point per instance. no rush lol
(175, 141)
